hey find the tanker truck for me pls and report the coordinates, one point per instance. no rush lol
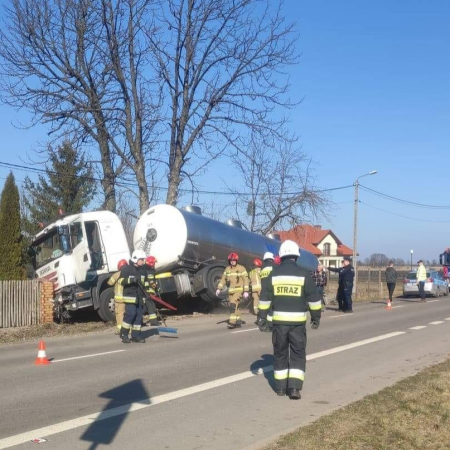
(80, 252)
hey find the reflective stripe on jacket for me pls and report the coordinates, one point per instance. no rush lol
(118, 288)
(291, 292)
(235, 278)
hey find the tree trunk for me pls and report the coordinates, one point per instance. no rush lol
(174, 179)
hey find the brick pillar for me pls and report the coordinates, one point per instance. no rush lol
(47, 295)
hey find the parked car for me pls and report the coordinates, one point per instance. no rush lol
(434, 284)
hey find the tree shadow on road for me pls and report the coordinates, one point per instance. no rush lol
(265, 363)
(107, 424)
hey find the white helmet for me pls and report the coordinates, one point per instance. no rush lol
(138, 254)
(289, 248)
(268, 255)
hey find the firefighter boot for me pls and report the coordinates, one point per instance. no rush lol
(294, 394)
(124, 337)
(138, 340)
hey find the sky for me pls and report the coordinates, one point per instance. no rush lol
(374, 80)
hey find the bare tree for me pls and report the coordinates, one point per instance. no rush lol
(282, 188)
(77, 65)
(222, 64)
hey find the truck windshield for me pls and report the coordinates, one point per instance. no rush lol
(51, 246)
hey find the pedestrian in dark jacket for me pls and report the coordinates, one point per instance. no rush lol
(340, 291)
(346, 276)
(391, 279)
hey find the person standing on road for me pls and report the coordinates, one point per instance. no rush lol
(340, 291)
(151, 285)
(291, 292)
(235, 277)
(255, 281)
(268, 265)
(320, 278)
(391, 279)
(346, 277)
(119, 306)
(421, 278)
(133, 296)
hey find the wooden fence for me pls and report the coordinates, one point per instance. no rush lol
(371, 284)
(25, 303)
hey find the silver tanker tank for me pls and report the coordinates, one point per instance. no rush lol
(186, 239)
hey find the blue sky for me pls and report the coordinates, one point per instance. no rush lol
(374, 77)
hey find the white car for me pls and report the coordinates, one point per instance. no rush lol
(434, 285)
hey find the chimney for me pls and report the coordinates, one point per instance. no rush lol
(318, 227)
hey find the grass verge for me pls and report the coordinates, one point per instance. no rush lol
(413, 414)
(23, 334)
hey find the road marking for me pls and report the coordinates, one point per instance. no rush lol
(419, 327)
(164, 398)
(437, 322)
(448, 318)
(399, 306)
(86, 356)
(340, 315)
(431, 301)
(244, 331)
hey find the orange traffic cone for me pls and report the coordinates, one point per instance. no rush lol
(41, 359)
(389, 305)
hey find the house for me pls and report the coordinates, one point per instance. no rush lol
(324, 244)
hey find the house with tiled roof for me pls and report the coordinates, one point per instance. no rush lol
(324, 244)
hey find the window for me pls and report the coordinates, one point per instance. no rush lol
(76, 233)
(50, 247)
(326, 249)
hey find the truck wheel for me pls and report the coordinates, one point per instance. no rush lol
(106, 310)
(212, 280)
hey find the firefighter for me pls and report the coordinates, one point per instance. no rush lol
(131, 276)
(291, 291)
(255, 280)
(235, 277)
(269, 262)
(151, 286)
(119, 306)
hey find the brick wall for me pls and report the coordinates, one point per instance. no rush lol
(47, 295)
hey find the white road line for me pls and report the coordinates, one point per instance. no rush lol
(164, 398)
(86, 356)
(419, 327)
(437, 322)
(244, 331)
(448, 318)
(399, 306)
(341, 315)
(432, 301)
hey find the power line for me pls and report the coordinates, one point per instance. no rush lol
(161, 188)
(400, 200)
(404, 217)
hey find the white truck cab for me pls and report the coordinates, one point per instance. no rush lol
(79, 253)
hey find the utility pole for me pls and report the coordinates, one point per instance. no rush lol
(412, 251)
(355, 237)
(355, 231)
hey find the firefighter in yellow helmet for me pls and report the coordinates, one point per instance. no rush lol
(119, 305)
(255, 281)
(235, 278)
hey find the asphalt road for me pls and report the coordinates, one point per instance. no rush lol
(210, 388)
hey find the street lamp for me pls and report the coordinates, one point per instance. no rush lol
(412, 251)
(355, 228)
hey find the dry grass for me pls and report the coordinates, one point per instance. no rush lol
(413, 414)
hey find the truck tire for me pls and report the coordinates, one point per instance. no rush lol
(106, 309)
(212, 280)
